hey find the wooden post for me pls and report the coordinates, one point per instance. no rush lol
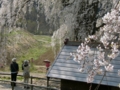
(31, 87)
(48, 81)
(12, 86)
(31, 83)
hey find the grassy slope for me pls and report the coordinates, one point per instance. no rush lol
(37, 49)
(18, 42)
(24, 46)
(41, 48)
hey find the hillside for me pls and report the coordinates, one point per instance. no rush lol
(24, 46)
(18, 42)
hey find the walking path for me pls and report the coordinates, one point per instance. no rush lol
(7, 85)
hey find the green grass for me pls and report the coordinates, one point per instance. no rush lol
(8, 77)
(43, 38)
(36, 51)
(14, 32)
(33, 52)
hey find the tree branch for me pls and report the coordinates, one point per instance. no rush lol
(100, 81)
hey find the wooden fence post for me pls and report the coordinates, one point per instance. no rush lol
(31, 83)
(47, 82)
(12, 86)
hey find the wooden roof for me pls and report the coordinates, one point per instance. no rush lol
(65, 68)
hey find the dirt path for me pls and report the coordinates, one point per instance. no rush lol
(4, 86)
(7, 85)
(39, 82)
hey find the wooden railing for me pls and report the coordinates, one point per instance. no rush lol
(31, 82)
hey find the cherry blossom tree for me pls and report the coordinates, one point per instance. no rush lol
(106, 51)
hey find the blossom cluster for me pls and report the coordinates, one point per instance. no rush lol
(100, 62)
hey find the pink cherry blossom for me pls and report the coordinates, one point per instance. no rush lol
(101, 56)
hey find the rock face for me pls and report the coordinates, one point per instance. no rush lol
(90, 16)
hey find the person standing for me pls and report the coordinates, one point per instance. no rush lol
(14, 68)
(26, 72)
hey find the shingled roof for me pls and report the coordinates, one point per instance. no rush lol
(65, 68)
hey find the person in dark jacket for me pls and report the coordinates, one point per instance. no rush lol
(14, 68)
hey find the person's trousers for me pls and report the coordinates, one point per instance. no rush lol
(13, 78)
(26, 80)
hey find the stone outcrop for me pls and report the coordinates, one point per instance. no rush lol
(90, 16)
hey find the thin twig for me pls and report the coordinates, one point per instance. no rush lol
(117, 4)
(100, 81)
